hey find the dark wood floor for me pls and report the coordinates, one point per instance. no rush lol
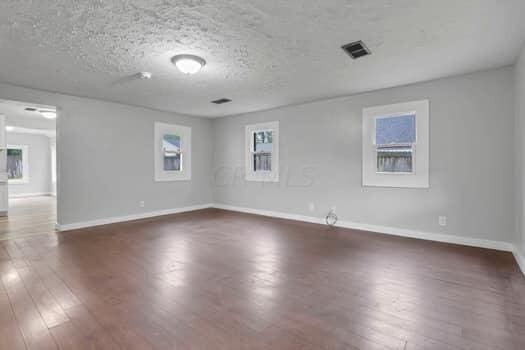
(220, 280)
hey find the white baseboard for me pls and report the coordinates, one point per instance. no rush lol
(112, 220)
(274, 214)
(439, 237)
(26, 195)
(430, 236)
(520, 259)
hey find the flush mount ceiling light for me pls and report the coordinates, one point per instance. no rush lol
(188, 64)
(9, 128)
(144, 75)
(49, 114)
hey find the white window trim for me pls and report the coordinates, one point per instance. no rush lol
(25, 165)
(185, 173)
(262, 176)
(419, 177)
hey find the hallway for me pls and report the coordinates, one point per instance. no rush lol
(29, 216)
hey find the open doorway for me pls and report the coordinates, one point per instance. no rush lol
(28, 171)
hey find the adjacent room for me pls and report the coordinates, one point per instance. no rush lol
(262, 174)
(29, 194)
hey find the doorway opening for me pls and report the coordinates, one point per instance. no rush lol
(28, 169)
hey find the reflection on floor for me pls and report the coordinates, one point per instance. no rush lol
(220, 280)
(29, 216)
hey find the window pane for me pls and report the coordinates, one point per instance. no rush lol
(14, 164)
(396, 130)
(171, 151)
(262, 162)
(395, 159)
(263, 141)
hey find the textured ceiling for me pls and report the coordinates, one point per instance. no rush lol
(260, 53)
(16, 115)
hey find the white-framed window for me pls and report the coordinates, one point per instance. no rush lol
(172, 151)
(262, 152)
(17, 164)
(396, 145)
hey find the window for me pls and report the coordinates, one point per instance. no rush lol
(172, 152)
(396, 145)
(17, 164)
(262, 152)
(395, 142)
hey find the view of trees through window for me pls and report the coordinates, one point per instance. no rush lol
(15, 168)
(171, 148)
(262, 152)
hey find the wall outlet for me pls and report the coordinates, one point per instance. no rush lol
(333, 208)
(311, 206)
(142, 204)
(442, 220)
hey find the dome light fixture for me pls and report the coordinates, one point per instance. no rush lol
(188, 64)
(49, 114)
(144, 75)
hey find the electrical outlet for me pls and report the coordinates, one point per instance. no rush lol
(311, 206)
(142, 204)
(333, 208)
(442, 220)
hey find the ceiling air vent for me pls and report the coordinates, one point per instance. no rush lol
(31, 109)
(221, 101)
(356, 49)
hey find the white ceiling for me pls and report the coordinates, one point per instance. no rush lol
(18, 117)
(260, 53)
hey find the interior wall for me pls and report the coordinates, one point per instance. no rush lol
(520, 149)
(105, 153)
(471, 169)
(105, 157)
(39, 164)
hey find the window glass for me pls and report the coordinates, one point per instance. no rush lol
(262, 152)
(172, 152)
(396, 145)
(394, 159)
(263, 141)
(171, 148)
(262, 157)
(15, 164)
(396, 130)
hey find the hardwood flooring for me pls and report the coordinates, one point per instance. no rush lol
(215, 279)
(29, 216)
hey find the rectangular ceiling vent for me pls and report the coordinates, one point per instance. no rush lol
(356, 49)
(221, 101)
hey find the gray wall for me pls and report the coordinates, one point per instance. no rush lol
(471, 166)
(520, 149)
(105, 153)
(105, 157)
(39, 164)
